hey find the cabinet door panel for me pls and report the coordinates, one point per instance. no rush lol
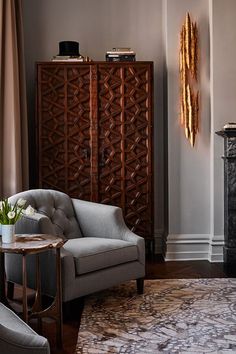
(125, 142)
(64, 128)
(110, 130)
(78, 132)
(52, 135)
(137, 149)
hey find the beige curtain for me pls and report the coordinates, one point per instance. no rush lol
(13, 116)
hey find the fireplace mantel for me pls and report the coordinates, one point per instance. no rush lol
(229, 200)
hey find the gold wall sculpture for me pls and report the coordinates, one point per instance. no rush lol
(189, 96)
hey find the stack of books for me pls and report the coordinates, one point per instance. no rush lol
(120, 54)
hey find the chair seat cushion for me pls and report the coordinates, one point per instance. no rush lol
(93, 253)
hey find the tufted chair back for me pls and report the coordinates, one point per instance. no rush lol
(57, 206)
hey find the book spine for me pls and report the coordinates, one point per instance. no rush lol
(121, 49)
(121, 52)
(120, 55)
(121, 58)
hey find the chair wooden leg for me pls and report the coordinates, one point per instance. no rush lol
(140, 285)
(10, 290)
(66, 310)
(73, 309)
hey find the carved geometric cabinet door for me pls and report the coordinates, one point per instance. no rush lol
(125, 142)
(95, 135)
(64, 110)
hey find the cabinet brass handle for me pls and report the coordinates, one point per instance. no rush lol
(86, 154)
(103, 158)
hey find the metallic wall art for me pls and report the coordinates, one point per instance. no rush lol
(189, 95)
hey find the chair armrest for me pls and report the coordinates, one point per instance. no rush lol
(34, 224)
(68, 273)
(101, 220)
(48, 281)
(21, 342)
(138, 241)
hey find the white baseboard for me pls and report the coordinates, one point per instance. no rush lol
(183, 247)
(216, 248)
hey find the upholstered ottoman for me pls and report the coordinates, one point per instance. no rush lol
(16, 337)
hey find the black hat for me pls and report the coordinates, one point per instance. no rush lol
(69, 48)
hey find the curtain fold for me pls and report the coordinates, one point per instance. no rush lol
(13, 111)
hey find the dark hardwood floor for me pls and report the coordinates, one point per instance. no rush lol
(156, 268)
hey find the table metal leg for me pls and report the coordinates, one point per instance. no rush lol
(37, 306)
(3, 294)
(59, 300)
(3, 298)
(24, 276)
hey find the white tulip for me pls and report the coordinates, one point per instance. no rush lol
(11, 214)
(21, 202)
(29, 210)
(1, 204)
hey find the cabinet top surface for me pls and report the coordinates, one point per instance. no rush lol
(92, 62)
(227, 133)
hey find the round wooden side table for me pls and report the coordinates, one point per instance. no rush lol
(35, 244)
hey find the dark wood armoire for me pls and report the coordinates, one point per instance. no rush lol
(95, 135)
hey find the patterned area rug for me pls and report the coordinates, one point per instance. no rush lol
(173, 316)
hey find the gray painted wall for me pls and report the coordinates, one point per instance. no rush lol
(189, 168)
(152, 29)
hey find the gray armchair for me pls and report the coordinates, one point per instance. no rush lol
(16, 337)
(100, 250)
